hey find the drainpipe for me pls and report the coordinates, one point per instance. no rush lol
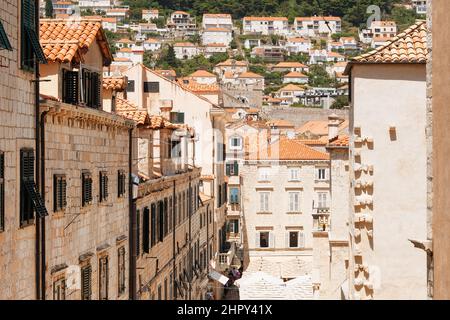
(42, 188)
(132, 222)
(191, 256)
(39, 262)
(174, 251)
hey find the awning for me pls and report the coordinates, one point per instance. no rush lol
(218, 277)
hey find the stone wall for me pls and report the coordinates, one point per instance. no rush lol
(17, 131)
(300, 116)
(100, 228)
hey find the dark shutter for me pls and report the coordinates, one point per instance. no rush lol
(236, 168)
(219, 194)
(177, 117)
(86, 283)
(153, 225)
(138, 232)
(161, 221)
(4, 41)
(59, 192)
(98, 92)
(70, 87)
(166, 217)
(228, 169)
(130, 86)
(86, 188)
(146, 231)
(151, 87)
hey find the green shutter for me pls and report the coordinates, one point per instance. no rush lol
(228, 169)
(4, 41)
(36, 46)
(236, 168)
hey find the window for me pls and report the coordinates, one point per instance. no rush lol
(294, 201)
(264, 201)
(30, 47)
(59, 289)
(263, 238)
(151, 87)
(295, 239)
(160, 221)
(234, 195)
(103, 278)
(121, 183)
(321, 174)
(322, 199)
(92, 86)
(235, 143)
(221, 152)
(294, 174)
(166, 217)
(86, 188)
(165, 289)
(70, 87)
(86, 282)
(121, 270)
(153, 233)
(219, 197)
(27, 186)
(175, 148)
(138, 232)
(4, 41)
(171, 215)
(159, 292)
(177, 117)
(2, 191)
(130, 86)
(59, 192)
(232, 169)
(263, 174)
(103, 179)
(146, 230)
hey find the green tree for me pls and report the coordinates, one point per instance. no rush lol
(171, 58)
(49, 8)
(340, 102)
(319, 77)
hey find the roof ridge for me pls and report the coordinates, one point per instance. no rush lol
(398, 37)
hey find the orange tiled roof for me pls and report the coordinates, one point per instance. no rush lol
(184, 44)
(287, 149)
(340, 141)
(202, 74)
(198, 88)
(217, 29)
(280, 123)
(217, 15)
(318, 18)
(232, 62)
(288, 64)
(409, 46)
(265, 19)
(291, 87)
(114, 83)
(141, 117)
(298, 39)
(62, 40)
(250, 75)
(295, 74)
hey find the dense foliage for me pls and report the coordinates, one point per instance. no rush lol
(353, 11)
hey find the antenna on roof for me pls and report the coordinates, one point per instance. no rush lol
(322, 14)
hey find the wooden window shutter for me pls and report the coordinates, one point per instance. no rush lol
(146, 231)
(236, 168)
(138, 232)
(153, 225)
(86, 283)
(161, 221)
(70, 87)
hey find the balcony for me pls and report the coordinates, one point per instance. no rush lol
(234, 209)
(233, 237)
(321, 219)
(223, 261)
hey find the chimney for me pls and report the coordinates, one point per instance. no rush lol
(333, 126)
(166, 107)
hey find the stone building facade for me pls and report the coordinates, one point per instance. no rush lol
(387, 157)
(19, 276)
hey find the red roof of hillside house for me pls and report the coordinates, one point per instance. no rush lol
(330, 18)
(63, 40)
(286, 149)
(339, 141)
(295, 74)
(410, 46)
(202, 74)
(114, 83)
(250, 75)
(265, 19)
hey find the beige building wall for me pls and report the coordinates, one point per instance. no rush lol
(279, 220)
(17, 131)
(440, 95)
(387, 100)
(77, 235)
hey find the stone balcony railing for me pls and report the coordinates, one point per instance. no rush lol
(321, 219)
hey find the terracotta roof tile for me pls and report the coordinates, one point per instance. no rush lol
(199, 88)
(409, 46)
(62, 39)
(287, 149)
(265, 19)
(250, 75)
(202, 74)
(288, 64)
(295, 74)
(340, 141)
(114, 83)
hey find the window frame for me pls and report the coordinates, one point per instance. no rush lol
(294, 201)
(264, 201)
(86, 187)
(294, 177)
(103, 278)
(59, 192)
(103, 186)
(121, 270)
